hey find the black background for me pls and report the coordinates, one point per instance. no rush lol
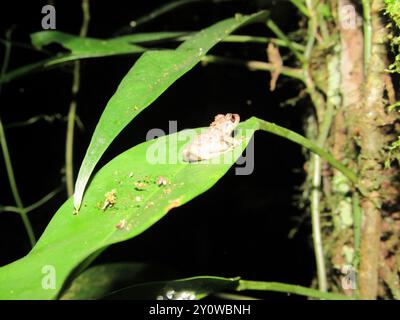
(239, 227)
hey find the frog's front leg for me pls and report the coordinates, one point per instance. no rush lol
(232, 141)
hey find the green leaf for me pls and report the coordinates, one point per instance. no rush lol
(124, 199)
(85, 48)
(153, 36)
(289, 289)
(151, 75)
(79, 45)
(195, 288)
(99, 47)
(101, 280)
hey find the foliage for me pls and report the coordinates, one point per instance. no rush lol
(393, 10)
(132, 192)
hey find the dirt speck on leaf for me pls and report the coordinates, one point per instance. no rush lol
(110, 199)
(121, 225)
(173, 204)
(161, 181)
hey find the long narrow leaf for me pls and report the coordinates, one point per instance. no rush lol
(151, 75)
(125, 198)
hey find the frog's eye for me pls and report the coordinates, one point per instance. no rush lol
(235, 117)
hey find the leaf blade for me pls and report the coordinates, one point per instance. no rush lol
(150, 76)
(69, 239)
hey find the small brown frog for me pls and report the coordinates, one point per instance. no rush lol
(216, 140)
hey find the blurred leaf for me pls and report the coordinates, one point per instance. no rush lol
(99, 47)
(124, 199)
(78, 44)
(195, 288)
(151, 75)
(85, 48)
(153, 36)
(98, 281)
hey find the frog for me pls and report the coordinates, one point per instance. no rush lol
(216, 140)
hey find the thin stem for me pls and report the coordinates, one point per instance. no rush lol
(275, 29)
(160, 11)
(289, 288)
(33, 206)
(319, 105)
(9, 209)
(69, 148)
(69, 145)
(367, 26)
(300, 6)
(312, 30)
(35, 119)
(308, 144)
(7, 158)
(233, 296)
(13, 185)
(43, 200)
(316, 224)
(332, 100)
(357, 218)
(235, 38)
(255, 65)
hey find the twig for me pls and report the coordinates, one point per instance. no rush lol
(312, 30)
(69, 145)
(275, 29)
(7, 158)
(235, 38)
(300, 6)
(255, 65)
(233, 296)
(13, 185)
(319, 105)
(316, 224)
(33, 206)
(32, 120)
(308, 144)
(43, 200)
(357, 218)
(9, 209)
(289, 288)
(160, 11)
(367, 26)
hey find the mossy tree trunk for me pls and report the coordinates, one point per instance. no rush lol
(347, 71)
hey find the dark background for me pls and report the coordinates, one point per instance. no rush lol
(239, 227)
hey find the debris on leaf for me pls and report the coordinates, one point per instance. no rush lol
(140, 186)
(161, 181)
(111, 199)
(173, 204)
(121, 225)
(150, 204)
